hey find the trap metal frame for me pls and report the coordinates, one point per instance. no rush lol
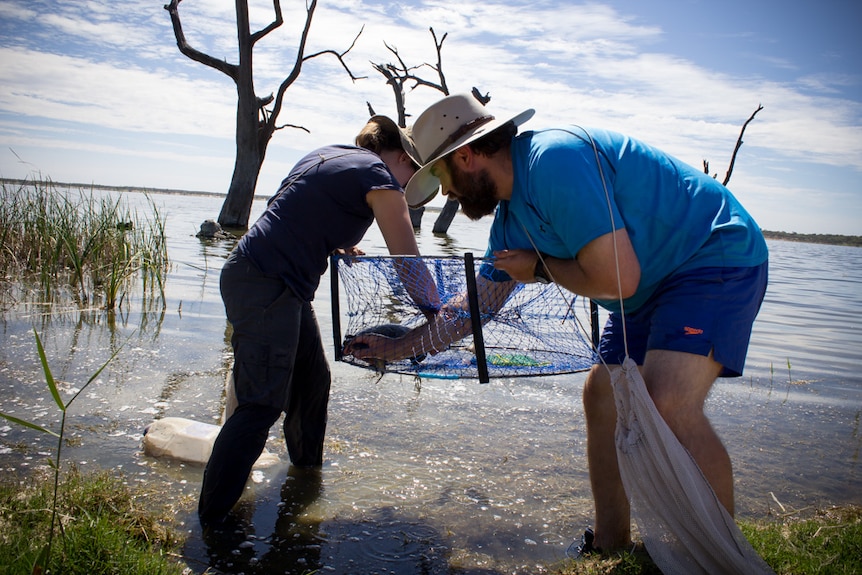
(537, 331)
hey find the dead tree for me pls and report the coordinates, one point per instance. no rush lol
(255, 121)
(735, 149)
(397, 76)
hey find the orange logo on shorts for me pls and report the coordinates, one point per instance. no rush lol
(692, 331)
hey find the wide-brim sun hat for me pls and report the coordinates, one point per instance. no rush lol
(444, 127)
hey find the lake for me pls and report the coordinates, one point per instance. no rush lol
(446, 477)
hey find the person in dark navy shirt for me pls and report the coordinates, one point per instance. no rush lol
(325, 205)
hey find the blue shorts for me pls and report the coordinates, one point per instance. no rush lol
(699, 311)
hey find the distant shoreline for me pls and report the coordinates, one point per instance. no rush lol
(137, 189)
(831, 239)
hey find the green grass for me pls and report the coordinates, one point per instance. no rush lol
(829, 541)
(104, 530)
(44, 557)
(826, 542)
(82, 246)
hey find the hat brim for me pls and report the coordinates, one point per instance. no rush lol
(424, 186)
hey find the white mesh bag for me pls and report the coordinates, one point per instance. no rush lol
(684, 526)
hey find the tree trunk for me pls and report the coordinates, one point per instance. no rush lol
(249, 158)
(250, 127)
(236, 209)
(447, 214)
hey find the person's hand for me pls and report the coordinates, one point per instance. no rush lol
(380, 343)
(354, 251)
(368, 347)
(457, 307)
(519, 264)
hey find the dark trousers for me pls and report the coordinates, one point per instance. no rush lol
(279, 366)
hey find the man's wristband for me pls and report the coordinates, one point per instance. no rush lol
(541, 273)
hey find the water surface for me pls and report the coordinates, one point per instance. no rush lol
(436, 476)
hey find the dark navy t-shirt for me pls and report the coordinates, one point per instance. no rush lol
(319, 208)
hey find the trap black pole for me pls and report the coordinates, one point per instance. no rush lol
(476, 318)
(336, 308)
(594, 323)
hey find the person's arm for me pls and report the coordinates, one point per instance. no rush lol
(393, 218)
(592, 274)
(452, 324)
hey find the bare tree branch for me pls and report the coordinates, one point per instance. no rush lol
(417, 81)
(394, 79)
(439, 67)
(297, 67)
(303, 128)
(739, 144)
(478, 95)
(279, 20)
(186, 49)
(397, 75)
(340, 56)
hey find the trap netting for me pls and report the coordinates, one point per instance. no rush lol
(538, 331)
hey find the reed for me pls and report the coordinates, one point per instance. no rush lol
(80, 245)
(43, 558)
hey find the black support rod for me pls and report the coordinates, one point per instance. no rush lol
(476, 318)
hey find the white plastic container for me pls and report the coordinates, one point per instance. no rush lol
(180, 438)
(190, 441)
(230, 401)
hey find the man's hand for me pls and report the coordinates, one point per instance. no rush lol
(519, 264)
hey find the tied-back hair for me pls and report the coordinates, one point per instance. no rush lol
(375, 137)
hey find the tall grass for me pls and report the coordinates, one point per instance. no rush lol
(82, 246)
(106, 531)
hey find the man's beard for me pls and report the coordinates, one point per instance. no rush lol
(476, 194)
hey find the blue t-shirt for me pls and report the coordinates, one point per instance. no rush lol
(677, 217)
(319, 208)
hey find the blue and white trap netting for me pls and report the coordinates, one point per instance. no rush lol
(538, 331)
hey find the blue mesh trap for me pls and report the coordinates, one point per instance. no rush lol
(538, 331)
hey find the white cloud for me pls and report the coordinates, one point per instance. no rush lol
(49, 86)
(115, 68)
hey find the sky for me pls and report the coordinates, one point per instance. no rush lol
(98, 93)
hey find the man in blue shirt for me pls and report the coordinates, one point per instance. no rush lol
(667, 250)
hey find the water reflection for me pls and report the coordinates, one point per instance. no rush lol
(293, 546)
(303, 539)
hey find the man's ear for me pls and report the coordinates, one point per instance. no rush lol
(464, 157)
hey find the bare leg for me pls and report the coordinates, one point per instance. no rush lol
(679, 384)
(613, 515)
